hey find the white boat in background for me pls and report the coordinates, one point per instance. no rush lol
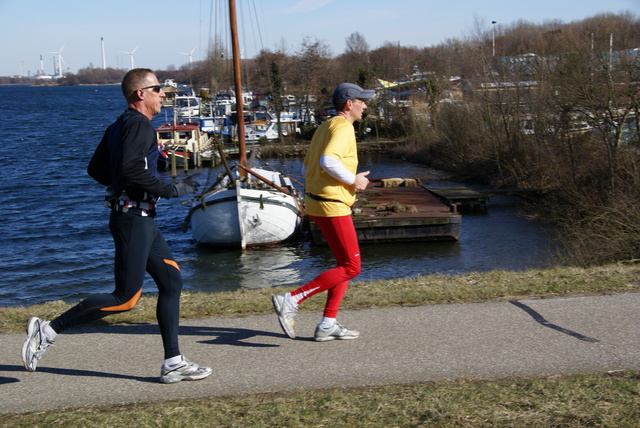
(187, 105)
(184, 141)
(170, 91)
(246, 206)
(269, 130)
(262, 208)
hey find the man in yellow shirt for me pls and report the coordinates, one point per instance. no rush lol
(331, 184)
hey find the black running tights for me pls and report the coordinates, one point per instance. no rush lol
(140, 247)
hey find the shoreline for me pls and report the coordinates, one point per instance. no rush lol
(296, 147)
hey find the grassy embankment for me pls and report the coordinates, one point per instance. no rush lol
(609, 400)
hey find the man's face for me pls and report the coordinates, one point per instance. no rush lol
(357, 108)
(152, 95)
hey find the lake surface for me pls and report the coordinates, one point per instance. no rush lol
(56, 245)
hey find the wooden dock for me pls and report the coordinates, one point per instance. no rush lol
(397, 211)
(461, 197)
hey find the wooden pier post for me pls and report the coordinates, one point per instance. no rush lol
(174, 173)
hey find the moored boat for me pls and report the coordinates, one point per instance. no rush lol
(247, 206)
(261, 209)
(269, 129)
(184, 141)
(187, 105)
(170, 90)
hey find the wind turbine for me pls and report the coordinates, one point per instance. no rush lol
(131, 55)
(188, 54)
(59, 67)
(190, 69)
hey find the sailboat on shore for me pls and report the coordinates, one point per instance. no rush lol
(247, 206)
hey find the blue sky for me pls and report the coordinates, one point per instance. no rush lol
(163, 32)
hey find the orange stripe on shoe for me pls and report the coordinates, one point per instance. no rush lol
(126, 305)
(172, 263)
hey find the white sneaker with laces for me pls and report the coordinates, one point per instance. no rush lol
(184, 370)
(286, 311)
(36, 343)
(336, 332)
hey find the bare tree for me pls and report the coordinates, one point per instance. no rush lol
(353, 65)
(356, 44)
(270, 80)
(217, 73)
(311, 73)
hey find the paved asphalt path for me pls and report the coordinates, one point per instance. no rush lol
(399, 345)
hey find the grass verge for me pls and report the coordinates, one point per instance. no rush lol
(608, 400)
(422, 290)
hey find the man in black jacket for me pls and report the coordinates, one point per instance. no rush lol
(126, 161)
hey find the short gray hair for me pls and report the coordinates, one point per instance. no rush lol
(134, 80)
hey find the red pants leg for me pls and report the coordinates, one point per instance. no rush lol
(340, 235)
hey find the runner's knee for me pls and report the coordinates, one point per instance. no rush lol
(352, 268)
(125, 305)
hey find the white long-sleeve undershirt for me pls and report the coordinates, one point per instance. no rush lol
(335, 168)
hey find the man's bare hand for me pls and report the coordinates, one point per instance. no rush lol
(361, 180)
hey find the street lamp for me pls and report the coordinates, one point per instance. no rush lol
(493, 38)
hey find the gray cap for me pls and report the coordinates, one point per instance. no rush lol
(348, 91)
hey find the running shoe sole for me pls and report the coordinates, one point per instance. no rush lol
(178, 378)
(329, 338)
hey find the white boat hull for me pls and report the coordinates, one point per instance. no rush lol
(243, 218)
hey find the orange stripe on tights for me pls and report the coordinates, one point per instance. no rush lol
(126, 305)
(172, 263)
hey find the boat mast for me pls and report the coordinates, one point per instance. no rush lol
(238, 82)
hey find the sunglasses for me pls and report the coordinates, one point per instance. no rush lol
(155, 88)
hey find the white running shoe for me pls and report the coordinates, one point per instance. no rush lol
(184, 370)
(286, 311)
(336, 332)
(37, 342)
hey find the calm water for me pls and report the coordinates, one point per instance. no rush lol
(56, 245)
